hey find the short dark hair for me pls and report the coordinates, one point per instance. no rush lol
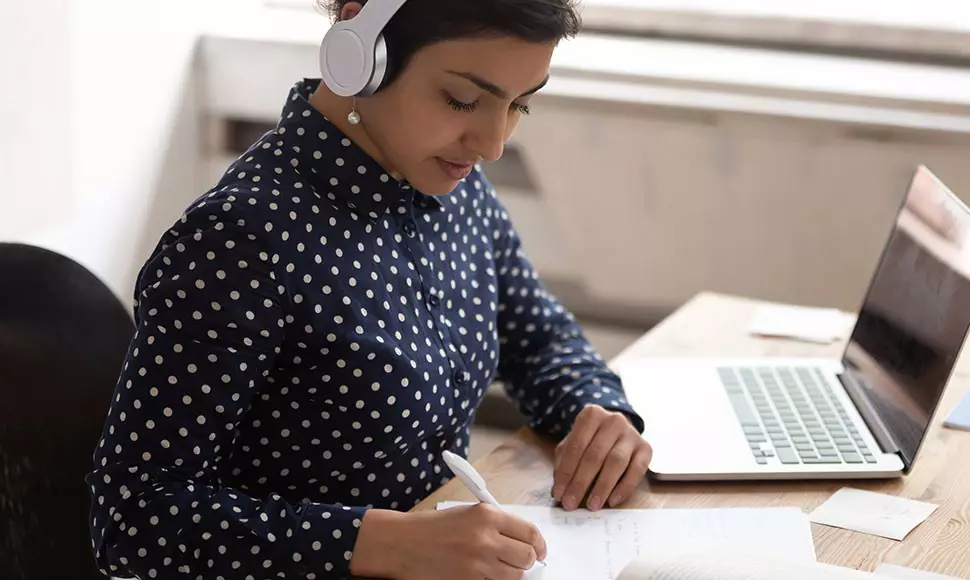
(420, 23)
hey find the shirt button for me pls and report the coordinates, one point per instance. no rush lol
(425, 202)
(461, 377)
(434, 300)
(410, 229)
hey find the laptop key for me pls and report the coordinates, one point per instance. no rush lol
(822, 460)
(743, 410)
(852, 458)
(787, 455)
(761, 460)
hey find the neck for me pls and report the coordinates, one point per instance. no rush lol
(336, 109)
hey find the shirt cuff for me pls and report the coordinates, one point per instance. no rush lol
(325, 541)
(604, 393)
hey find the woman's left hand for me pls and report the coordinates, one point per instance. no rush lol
(604, 451)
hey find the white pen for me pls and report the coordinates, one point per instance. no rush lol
(472, 480)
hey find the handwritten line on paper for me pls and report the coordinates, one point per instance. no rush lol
(599, 545)
(819, 325)
(872, 513)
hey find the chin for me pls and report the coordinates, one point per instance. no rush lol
(441, 188)
(434, 184)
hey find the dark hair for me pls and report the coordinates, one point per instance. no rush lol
(420, 23)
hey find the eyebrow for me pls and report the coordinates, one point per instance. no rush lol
(493, 88)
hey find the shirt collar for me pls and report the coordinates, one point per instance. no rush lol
(334, 165)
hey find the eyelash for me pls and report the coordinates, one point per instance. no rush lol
(470, 107)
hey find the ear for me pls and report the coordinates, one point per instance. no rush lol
(350, 9)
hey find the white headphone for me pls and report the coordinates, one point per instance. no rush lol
(353, 54)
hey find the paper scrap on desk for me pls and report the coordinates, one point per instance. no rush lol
(872, 513)
(586, 545)
(960, 416)
(821, 325)
(902, 573)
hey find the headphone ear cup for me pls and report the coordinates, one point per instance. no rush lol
(380, 69)
(346, 64)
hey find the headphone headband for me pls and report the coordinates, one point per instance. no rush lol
(353, 54)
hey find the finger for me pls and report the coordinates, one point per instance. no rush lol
(635, 473)
(592, 461)
(499, 570)
(516, 553)
(613, 469)
(573, 447)
(524, 532)
(587, 421)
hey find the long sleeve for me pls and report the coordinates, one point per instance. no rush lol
(211, 318)
(548, 366)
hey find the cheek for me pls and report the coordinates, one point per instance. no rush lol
(511, 126)
(433, 129)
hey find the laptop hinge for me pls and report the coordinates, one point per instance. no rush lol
(869, 414)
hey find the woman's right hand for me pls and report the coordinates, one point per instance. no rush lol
(475, 542)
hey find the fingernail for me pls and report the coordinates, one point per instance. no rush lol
(557, 492)
(615, 501)
(594, 503)
(570, 502)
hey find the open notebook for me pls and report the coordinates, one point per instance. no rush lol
(599, 545)
(721, 565)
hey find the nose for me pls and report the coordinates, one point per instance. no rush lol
(487, 138)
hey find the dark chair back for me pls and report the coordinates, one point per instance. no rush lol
(63, 339)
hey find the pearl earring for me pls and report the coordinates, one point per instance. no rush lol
(353, 117)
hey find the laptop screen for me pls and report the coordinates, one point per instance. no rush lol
(917, 312)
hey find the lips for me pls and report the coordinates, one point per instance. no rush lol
(456, 170)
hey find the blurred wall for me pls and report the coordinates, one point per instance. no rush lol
(34, 114)
(96, 123)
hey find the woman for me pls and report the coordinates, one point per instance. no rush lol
(320, 325)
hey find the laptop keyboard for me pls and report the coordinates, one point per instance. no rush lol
(793, 414)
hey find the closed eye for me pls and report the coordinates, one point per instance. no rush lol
(463, 107)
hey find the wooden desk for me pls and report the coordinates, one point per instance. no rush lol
(520, 471)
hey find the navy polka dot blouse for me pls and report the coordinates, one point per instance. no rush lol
(311, 334)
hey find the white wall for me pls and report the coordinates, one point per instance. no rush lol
(34, 102)
(131, 66)
(92, 95)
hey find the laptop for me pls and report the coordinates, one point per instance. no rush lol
(864, 415)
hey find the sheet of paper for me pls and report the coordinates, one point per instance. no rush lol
(598, 545)
(960, 416)
(731, 566)
(820, 325)
(872, 513)
(901, 573)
